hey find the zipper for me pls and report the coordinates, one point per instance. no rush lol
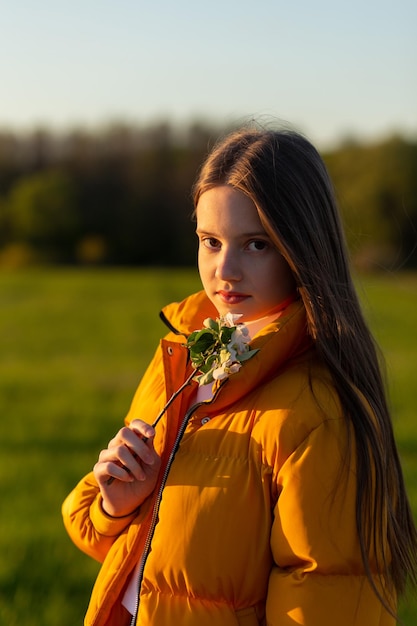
(155, 511)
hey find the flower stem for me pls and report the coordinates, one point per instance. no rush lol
(172, 398)
(163, 411)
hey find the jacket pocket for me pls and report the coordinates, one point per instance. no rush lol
(252, 616)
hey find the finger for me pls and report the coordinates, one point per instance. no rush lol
(140, 428)
(122, 437)
(128, 454)
(107, 472)
(143, 429)
(140, 446)
(119, 462)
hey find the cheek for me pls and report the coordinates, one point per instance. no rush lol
(203, 265)
(200, 262)
(277, 279)
(284, 283)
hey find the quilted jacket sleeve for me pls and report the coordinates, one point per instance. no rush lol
(318, 577)
(90, 528)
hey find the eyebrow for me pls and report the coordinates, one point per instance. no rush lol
(260, 233)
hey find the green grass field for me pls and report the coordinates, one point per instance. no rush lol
(74, 345)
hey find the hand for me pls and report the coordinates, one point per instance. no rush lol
(133, 465)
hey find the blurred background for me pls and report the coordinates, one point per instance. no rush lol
(106, 112)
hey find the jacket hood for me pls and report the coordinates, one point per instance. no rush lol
(184, 317)
(279, 343)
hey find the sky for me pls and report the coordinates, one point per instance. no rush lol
(333, 70)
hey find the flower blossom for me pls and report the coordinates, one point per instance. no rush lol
(218, 350)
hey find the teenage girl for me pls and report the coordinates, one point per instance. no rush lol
(275, 496)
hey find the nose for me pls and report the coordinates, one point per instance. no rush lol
(228, 266)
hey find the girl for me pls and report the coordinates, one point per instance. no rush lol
(275, 496)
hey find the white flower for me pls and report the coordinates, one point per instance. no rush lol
(219, 373)
(234, 368)
(226, 368)
(218, 350)
(240, 339)
(230, 319)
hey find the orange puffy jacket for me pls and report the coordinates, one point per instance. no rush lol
(253, 519)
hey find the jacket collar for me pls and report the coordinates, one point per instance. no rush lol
(184, 317)
(278, 343)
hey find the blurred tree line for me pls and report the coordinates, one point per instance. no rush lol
(121, 196)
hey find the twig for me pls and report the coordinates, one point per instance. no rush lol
(160, 414)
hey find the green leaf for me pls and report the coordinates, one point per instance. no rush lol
(205, 335)
(191, 338)
(213, 325)
(210, 363)
(246, 355)
(226, 334)
(205, 379)
(197, 361)
(197, 335)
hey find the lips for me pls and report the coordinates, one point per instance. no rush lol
(232, 297)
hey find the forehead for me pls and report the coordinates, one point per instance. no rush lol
(224, 207)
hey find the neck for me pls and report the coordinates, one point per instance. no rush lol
(254, 326)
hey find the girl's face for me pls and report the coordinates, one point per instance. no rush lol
(240, 268)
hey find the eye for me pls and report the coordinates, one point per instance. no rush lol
(257, 245)
(211, 243)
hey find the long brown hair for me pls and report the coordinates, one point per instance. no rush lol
(288, 182)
